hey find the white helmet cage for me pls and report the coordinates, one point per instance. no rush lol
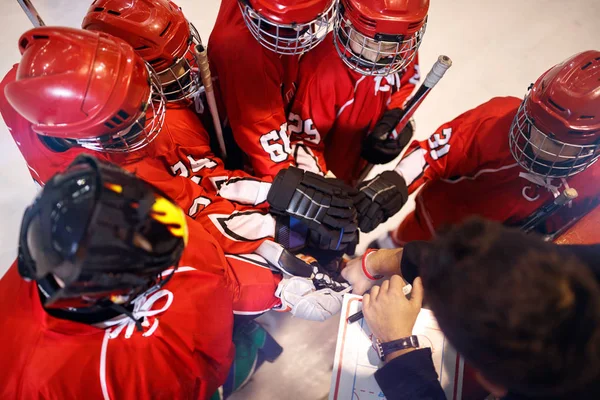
(567, 160)
(288, 39)
(382, 55)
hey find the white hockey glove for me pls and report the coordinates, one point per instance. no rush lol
(306, 290)
(315, 298)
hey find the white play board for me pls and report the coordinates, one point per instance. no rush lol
(356, 360)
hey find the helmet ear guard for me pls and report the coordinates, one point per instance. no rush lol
(97, 235)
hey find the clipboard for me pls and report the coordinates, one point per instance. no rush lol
(356, 359)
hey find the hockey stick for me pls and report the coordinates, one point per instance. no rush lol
(543, 213)
(31, 13)
(433, 77)
(202, 59)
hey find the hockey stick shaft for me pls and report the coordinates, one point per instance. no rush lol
(436, 73)
(202, 57)
(31, 13)
(543, 213)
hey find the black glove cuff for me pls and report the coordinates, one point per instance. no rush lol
(292, 265)
(283, 188)
(398, 181)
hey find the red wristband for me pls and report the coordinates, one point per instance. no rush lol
(364, 266)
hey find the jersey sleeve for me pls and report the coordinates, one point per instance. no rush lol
(250, 87)
(442, 156)
(408, 81)
(197, 162)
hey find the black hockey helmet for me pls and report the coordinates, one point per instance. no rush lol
(97, 236)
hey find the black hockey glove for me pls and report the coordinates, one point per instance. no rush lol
(379, 199)
(321, 210)
(379, 147)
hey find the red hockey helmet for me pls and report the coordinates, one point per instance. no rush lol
(159, 32)
(379, 37)
(288, 26)
(88, 87)
(97, 235)
(556, 132)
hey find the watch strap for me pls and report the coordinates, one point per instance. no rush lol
(395, 345)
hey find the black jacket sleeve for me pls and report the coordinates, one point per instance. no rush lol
(589, 254)
(412, 257)
(411, 376)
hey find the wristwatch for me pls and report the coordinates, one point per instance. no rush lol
(383, 349)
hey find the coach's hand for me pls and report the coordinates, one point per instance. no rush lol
(379, 199)
(380, 146)
(363, 272)
(324, 206)
(389, 314)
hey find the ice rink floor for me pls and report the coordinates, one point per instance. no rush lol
(498, 49)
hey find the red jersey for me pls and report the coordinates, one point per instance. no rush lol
(184, 352)
(466, 168)
(255, 85)
(180, 163)
(335, 108)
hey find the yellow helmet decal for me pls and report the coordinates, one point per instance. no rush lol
(115, 188)
(169, 214)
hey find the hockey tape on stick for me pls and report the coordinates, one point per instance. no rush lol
(436, 73)
(202, 59)
(433, 77)
(31, 13)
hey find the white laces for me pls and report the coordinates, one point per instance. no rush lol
(544, 182)
(142, 309)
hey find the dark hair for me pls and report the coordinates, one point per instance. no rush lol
(520, 310)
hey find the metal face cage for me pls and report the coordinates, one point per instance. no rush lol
(140, 133)
(287, 39)
(379, 56)
(541, 154)
(182, 80)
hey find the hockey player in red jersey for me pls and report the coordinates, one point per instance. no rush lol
(58, 134)
(254, 50)
(160, 33)
(351, 90)
(506, 158)
(110, 302)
